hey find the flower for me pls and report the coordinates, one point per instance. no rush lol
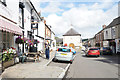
(8, 54)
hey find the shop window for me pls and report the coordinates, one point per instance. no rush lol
(4, 41)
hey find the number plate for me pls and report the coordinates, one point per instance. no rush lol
(94, 52)
(63, 54)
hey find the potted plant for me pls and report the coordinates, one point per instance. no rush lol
(8, 57)
(20, 40)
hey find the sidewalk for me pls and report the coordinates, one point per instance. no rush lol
(33, 70)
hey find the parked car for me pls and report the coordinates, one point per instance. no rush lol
(106, 50)
(64, 54)
(93, 52)
(73, 50)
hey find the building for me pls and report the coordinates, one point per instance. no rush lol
(53, 41)
(91, 42)
(72, 38)
(33, 27)
(115, 35)
(99, 37)
(47, 33)
(9, 24)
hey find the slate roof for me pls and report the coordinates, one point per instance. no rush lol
(71, 32)
(116, 21)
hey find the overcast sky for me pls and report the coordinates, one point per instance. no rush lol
(86, 16)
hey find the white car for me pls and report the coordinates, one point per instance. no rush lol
(64, 54)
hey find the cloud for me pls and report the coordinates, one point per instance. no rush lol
(85, 19)
(71, 5)
(52, 8)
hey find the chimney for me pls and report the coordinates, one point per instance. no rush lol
(44, 21)
(39, 13)
(104, 26)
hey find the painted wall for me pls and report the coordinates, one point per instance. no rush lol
(41, 29)
(10, 11)
(27, 19)
(76, 40)
(107, 34)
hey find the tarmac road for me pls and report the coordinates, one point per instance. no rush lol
(93, 67)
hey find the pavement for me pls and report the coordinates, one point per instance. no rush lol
(34, 69)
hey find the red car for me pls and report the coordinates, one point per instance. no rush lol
(93, 52)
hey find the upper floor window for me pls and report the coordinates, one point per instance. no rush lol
(113, 31)
(106, 33)
(3, 2)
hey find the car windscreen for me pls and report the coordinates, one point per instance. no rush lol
(63, 50)
(94, 49)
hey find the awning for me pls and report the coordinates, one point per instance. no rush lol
(8, 26)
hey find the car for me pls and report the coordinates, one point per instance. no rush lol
(106, 50)
(63, 54)
(93, 52)
(73, 50)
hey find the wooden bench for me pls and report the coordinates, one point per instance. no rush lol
(33, 55)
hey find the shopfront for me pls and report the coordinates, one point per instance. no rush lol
(8, 29)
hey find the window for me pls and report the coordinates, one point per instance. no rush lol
(5, 40)
(106, 33)
(63, 50)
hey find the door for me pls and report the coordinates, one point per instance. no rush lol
(72, 45)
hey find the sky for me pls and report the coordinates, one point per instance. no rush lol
(86, 16)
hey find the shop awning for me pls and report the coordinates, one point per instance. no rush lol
(8, 26)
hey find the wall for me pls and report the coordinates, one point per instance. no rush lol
(109, 34)
(27, 18)
(41, 29)
(72, 39)
(10, 11)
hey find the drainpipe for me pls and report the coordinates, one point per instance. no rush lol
(23, 27)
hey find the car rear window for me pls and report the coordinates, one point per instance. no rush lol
(94, 49)
(63, 50)
(106, 48)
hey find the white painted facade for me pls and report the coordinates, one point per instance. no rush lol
(41, 32)
(53, 41)
(107, 34)
(11, 12)
(76, 40)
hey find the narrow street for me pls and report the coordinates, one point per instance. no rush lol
(93, 67)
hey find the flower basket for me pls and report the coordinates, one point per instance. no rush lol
(7, 64)
(8, 57)
(20, 40)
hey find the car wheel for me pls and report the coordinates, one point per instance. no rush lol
(54, 60)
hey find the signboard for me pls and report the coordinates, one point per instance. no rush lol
(106, 43)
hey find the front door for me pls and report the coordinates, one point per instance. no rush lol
(72, 45)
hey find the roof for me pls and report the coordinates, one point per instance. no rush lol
(116, 21)
(71, 32)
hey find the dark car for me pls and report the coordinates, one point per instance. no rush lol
(106, 50)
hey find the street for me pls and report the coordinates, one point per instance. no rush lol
(93, 67)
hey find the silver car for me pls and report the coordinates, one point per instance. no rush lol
(64, 54)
